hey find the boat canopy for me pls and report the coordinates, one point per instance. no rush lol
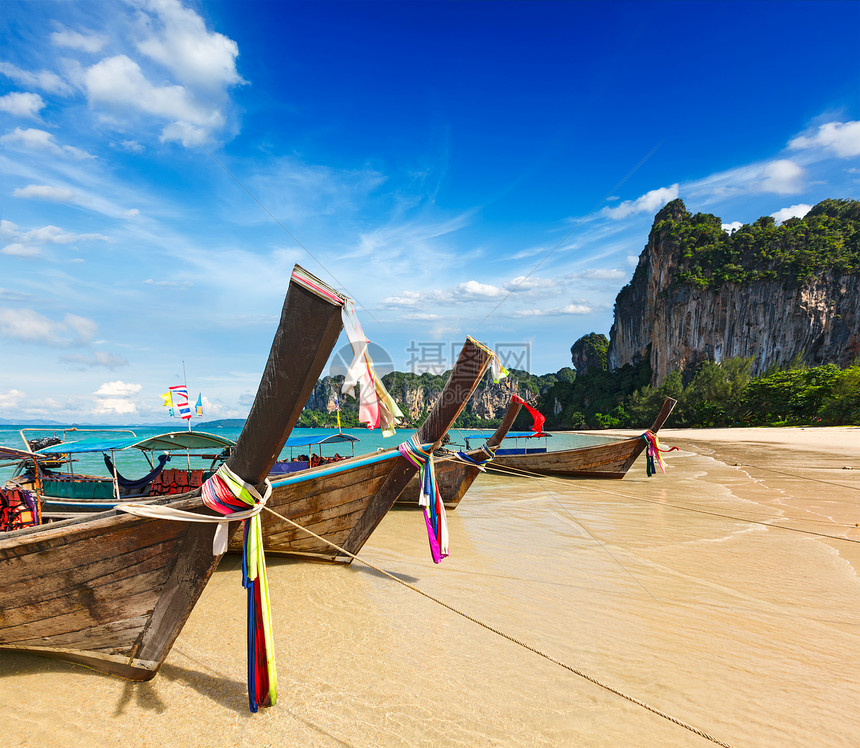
(510, 435)
(169, 441)
(307, 441)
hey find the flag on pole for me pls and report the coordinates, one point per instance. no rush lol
(199, 406)
(180, 401)
(337, 410)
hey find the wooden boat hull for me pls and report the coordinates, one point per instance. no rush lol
(344, 502)
(327, 502)
(112, 591)
(120, 611)
(610, 460)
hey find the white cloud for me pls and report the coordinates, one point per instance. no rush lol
(843, 138)
(12, 398)
(17, 249)
(76, 40)
(31, 327)
(22, 104)
(43, 80)
(650, 202)
(45, 192)
(180, 41)
(98, 359)
(522, 283)
(119, 82)
(29, 243)
(41, 140)
(475, 290)
(733, 226)
(574, 309)
(602, 274)
(118, 389)
(114, 406)
(421, 316)
(795, 211)
(783, 177)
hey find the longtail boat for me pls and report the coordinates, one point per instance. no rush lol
(112, 591)
(610, 460)
(343, 502)
(65, 493)
(455, 472)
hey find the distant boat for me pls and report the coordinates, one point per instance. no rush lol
(112, 591)
(303, 462)
(344, 501)
(65, 494)
(455, 475)
(610, 460)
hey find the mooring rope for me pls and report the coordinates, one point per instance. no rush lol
(519, 473)
(514, 640)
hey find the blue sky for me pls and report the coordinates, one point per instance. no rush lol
(490, 169)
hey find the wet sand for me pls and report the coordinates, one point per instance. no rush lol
(723, 593)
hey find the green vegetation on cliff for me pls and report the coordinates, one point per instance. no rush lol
(827, 238)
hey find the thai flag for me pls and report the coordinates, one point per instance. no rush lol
(180, 400)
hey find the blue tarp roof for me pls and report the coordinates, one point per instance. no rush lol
(169, 441)
(307, 441)
(511, 435)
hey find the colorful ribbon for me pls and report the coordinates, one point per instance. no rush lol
(498, 371)
(652, 454)
(226, 493)
(429, 499)
(376, 406)
(537, 418)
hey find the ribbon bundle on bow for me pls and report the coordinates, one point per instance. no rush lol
(430, 500)
(376, 406)
(537, 418)
(652, 454)
(226, 493)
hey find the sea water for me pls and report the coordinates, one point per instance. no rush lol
(132, 463)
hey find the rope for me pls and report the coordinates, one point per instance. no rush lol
(514, 640)
(519, 473)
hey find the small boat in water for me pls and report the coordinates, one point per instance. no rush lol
(64, 493)
(610, 460)
(343, 502)
(305, 461)
(111, 590)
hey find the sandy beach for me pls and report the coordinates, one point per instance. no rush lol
(723, 593)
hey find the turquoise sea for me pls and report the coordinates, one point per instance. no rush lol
(133, 464)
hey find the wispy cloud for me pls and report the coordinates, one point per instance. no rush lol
(99, 359)
(84, 42)
(41, 140)
(650, 202)
(29, 243)
(44, 80)
(29, 326)
(19, 104)
(841, 138)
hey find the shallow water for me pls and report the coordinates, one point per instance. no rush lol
(671, 589)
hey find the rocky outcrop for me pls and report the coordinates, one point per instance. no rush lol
(415, 400)
(771, 320)
(589, 353)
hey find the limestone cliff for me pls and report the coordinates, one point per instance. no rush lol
(416, 395)
(775, 294)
